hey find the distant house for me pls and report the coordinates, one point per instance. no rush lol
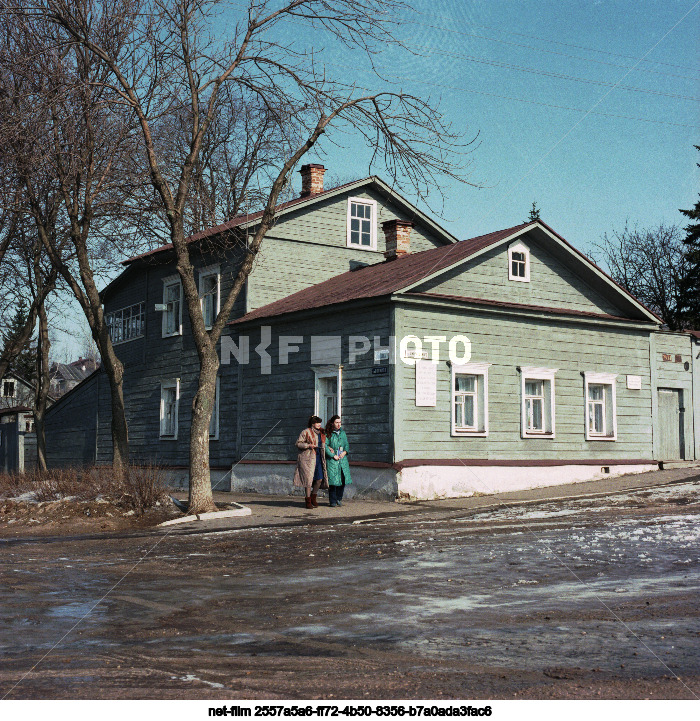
(509, 360)
(17, 437)
(15, 391)
(65, 376)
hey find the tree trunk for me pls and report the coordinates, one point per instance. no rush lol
(42, 387)
(120, 432)
(200, 494)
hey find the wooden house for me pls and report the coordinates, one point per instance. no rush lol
(505, 361)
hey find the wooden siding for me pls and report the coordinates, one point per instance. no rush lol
(150, 360)
(672, 374)
(71, 424)
(308, 247)
(509, 342)
(276, 407)
(552, 284)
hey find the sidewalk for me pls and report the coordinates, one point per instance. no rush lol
(290, 510)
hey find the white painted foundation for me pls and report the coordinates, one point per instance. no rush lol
(420, 483)
(433, 482)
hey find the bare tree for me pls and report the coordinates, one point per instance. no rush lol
(172, 69)
(42, 381)
(651, 263)
(19, 261)
(70, 153)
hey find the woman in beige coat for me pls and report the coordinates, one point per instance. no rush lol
(311, 473)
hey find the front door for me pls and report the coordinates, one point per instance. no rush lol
(670, 425)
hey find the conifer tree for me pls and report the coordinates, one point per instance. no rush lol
(691, 282)
(534, 213)
(25, 363)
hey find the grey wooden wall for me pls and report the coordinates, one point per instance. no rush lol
(276, 407)
(72, 423)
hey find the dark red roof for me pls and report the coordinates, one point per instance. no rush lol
(15, 409)
(695, 333)
(238, 221)
(379, 279)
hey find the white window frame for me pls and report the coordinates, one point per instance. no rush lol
(204, 273)
(534, 373)
(373, 223)
(175, 383)
(168, 283)
(609, 383)
(519, 247)
(481, 371)
(11, 383)
(327, 372)
(215, 412)
(115, 320)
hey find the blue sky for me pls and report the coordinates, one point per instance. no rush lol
(496, 68)
(631, 158)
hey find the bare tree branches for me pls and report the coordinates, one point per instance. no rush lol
(225, 117)
(651, 263)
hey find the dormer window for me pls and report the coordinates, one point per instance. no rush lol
(519, 262)
(362, 224)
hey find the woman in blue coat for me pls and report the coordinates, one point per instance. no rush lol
(337, 463)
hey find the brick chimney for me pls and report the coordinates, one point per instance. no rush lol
(398, 238)
(311, 179)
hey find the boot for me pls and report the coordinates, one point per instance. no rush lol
(314, 501)
(308, 502)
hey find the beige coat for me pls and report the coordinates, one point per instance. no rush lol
(306, 461)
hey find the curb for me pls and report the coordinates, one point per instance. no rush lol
(213, 515)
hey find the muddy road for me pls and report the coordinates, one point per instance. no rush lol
(590, 598)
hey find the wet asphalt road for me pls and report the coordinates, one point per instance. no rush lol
(570, 599)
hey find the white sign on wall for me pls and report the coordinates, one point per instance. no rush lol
(634, 383)
(426, 383)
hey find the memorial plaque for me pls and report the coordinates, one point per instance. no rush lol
(426, 383)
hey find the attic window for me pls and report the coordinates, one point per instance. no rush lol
(519, 262)
(362, 224)
(8, 389)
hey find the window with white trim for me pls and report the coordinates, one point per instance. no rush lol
(470, 413)
(537, 402)
(172, 300)
(127, 323)
(519, 262)
(214, 422)
(362, 223)
(210, 294)
(169, 400)
(601, 412)
(8, 389)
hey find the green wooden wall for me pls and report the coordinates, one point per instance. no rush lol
(308, 247)
(670, 354)
(552, 283)
(508, 341)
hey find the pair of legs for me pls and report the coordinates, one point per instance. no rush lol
(335, 493)
(311, 492)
